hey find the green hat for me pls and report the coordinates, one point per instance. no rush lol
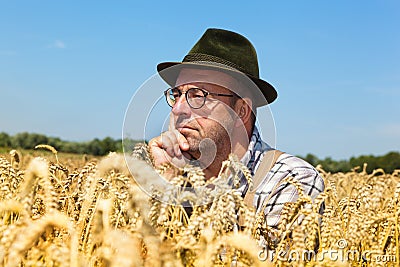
(226, 51)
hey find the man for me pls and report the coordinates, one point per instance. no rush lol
(215, 92)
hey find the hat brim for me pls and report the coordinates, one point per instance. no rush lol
(170, 77)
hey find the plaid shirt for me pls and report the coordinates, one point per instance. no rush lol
(286, 165)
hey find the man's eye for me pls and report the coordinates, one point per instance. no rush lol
(175, 93)
(196, 94)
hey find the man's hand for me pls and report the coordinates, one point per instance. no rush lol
(170, 147)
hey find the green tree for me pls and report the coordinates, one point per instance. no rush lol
(95, 148)
(19, 140)
(389, 162)
(5, 140)
(108, 145)
(312, 159)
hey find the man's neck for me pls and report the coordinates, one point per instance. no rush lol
(214, 168)
(240, 143)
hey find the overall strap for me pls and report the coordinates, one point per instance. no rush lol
(266, 165)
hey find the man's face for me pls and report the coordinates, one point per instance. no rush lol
(209, 127)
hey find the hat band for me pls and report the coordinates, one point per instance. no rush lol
(199, 57)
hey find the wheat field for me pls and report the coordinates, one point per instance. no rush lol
(58, 212)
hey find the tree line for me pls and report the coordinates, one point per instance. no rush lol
(388, 162)
(95, 147)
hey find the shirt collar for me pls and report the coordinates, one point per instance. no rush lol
(255, 148)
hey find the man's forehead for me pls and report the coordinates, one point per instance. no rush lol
(191, 75)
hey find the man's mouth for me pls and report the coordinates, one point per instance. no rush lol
(185, 129)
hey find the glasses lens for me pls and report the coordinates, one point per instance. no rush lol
(171, 96)
(195, 97)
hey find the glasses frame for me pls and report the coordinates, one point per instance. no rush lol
(206, 93)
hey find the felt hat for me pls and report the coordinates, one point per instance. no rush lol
(225, 51)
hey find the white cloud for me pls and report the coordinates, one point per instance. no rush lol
(57, 44)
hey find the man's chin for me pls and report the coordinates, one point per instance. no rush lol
(194, 146)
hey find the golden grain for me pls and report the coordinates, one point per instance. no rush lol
(53, 214)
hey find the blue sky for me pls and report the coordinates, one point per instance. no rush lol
(70, 68)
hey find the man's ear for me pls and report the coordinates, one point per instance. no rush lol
(243, 109)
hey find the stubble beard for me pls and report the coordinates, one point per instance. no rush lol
(216, 141)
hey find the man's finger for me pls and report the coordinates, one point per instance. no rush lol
(159, 154)
(182, 141)
(168, 143)
(171, 125)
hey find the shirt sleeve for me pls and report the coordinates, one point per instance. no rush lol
(272, 193)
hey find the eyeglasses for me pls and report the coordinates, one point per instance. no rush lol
(195, 97)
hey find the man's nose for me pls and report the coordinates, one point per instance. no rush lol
(181, 106)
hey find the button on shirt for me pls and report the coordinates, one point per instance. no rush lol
(286, 165)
